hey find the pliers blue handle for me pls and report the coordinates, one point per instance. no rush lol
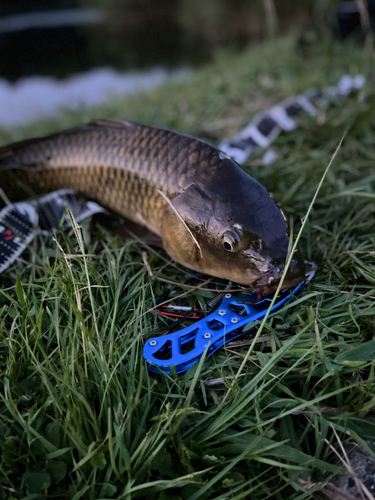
(183, 348)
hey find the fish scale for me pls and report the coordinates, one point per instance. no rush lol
(121, 167)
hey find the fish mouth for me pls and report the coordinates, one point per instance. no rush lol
(268, 283)
(266, 286)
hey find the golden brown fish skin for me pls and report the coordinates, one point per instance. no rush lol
(125, 167)
(121, 165)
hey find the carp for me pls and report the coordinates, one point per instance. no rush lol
(210, 214)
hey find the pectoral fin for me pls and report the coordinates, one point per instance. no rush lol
(184, 221)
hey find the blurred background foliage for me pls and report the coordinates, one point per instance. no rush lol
(143, 33)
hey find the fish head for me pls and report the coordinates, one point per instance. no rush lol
(256, 261)
(232, 229)
(236, 249)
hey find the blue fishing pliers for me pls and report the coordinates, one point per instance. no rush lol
(182, 349)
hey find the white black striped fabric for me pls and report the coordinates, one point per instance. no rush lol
(266, 126)
(21, 222)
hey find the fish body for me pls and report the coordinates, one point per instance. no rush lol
(211, 215)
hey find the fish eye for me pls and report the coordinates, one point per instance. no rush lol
(228, 246)
(230, 240)
(257, 244)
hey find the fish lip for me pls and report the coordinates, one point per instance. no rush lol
(265, 286)
(268, 282)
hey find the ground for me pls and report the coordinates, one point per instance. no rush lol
(82, 417)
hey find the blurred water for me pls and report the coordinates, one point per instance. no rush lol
(65, 41)
(36, 97)
(76, 58)
(53, 19)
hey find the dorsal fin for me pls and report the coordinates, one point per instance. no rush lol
(110, 122)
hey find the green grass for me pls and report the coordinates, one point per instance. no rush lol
(80, 415)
